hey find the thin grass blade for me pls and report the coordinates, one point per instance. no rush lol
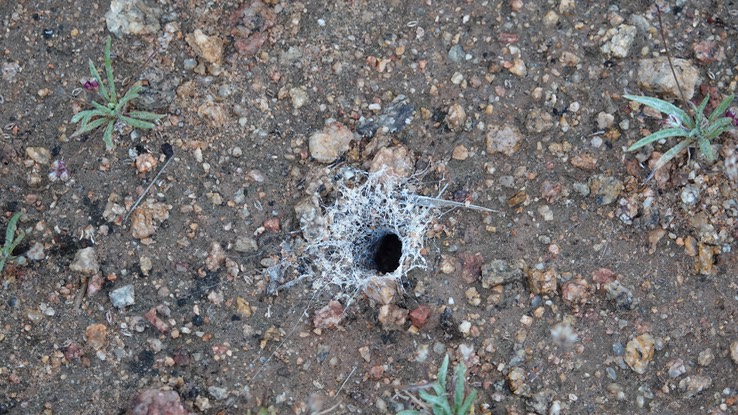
(663, 106)
(89, 127)
(721, 108)
(658, 135)
(109, 71)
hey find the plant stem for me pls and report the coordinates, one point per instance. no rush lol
(668, 58)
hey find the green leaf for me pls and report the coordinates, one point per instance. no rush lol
(701, 110)
(459, 374)
(145, 115)
(706, 148)
(718, 127)
(436, 401)
(82, 115)
(145, 125)
(109, 71)
(443, 371)
(409, 412)
(91, 126)
(131, 94)
(658, 135)
(10, 230)
(107, 112)
(666, 157)
(665, 107)
(108, 136)
(468, 402)
(721, 108)
(100, 86)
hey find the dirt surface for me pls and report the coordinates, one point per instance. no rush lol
(619, 297)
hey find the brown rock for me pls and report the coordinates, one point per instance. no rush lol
(705, 261)
(152, 317)
(331, 142)
(216, 257)
(95, 335)
(585, 162)
(505, 140)
(419, 316)
(207, 47)
(376, 372)
(708, 51)
(397, 161)
(329, 316)
(471, 267)
(542, 282)
(639, 353)
(576, 292)
(392, 317)
(655, 75)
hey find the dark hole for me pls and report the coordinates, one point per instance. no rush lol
(388, 253)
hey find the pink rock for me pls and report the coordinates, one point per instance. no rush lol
(156, 402)
(419, 316)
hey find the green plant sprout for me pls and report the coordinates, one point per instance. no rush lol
(11, 242)
(113, 109)
(699, 129)
(439, 403)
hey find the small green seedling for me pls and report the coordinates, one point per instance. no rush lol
(113, 109)
(11, 242)
(438, 402)
(699, 129)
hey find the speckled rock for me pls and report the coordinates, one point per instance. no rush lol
(542, 282)
(123, 296)
(516, 381)
(499, 272)
(244, 244)
(396, 160)
(147, 216)
(605, 189)
(133, 17)
(330, 143)
(505, 140)
(210, 48)
(216, 257)
(456, 118)
(734, 352)
(312, 222)
(85, 261)
(618, 41)
(695, 384)
(40, 155)
(639, 353)
(655, 76)
(156, 402)
(538, 121)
